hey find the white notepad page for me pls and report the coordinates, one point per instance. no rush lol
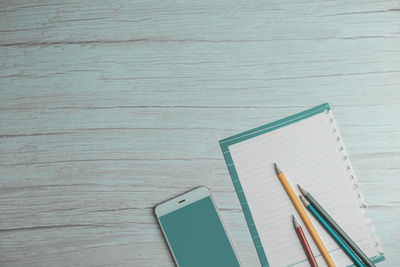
(310, 153)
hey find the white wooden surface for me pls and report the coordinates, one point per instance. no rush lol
(108, 108)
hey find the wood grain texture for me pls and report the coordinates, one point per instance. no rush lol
(108, 108)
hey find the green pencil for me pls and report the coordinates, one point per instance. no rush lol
(337, 228)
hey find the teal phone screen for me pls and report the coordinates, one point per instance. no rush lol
(197, 237)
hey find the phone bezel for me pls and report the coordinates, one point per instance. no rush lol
(175, 204)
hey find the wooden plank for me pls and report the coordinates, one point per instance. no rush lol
(28, 23)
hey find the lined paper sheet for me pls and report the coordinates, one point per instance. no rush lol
(310, 153)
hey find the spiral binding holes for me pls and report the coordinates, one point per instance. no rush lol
(352, 177)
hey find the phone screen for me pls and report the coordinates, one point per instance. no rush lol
(197, 237)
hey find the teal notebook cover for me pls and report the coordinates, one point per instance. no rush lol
(225, 143)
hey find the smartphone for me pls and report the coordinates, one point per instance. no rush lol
(194, 231)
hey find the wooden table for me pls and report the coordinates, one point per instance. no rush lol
(110, 107)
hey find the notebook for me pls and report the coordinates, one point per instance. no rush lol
(308, 148)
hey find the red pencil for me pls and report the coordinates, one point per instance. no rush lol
(304, 243)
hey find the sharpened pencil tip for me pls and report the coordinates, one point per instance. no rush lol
(277, 170)
(305, 202)
(302, 190)
(295, 223)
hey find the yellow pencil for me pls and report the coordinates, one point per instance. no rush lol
(304, 216)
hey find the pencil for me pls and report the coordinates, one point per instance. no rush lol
(304, 243)
(304, 217)
(337, 238)
(337, 228)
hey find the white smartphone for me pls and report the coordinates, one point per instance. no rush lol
(194, 231)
